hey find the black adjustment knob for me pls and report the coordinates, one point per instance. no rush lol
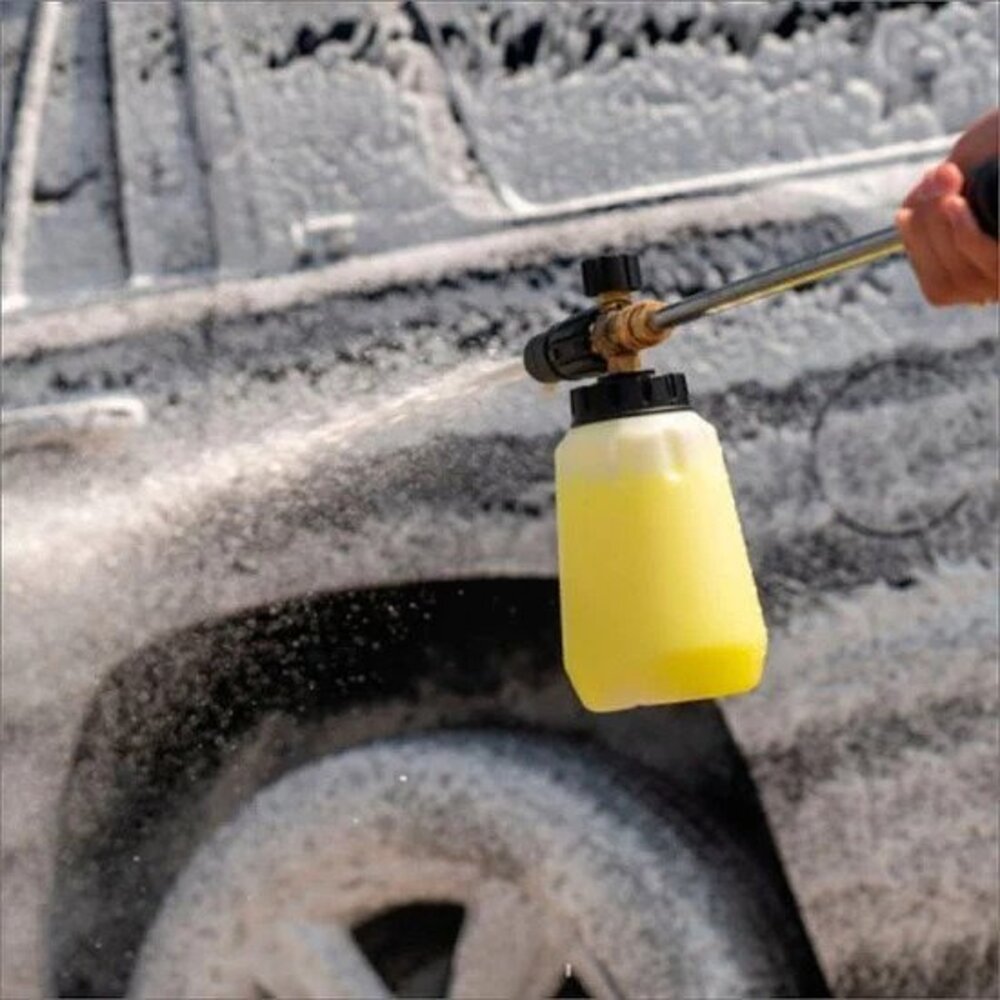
(613, 273)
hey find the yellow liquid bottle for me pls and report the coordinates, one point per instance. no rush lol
(657, 594)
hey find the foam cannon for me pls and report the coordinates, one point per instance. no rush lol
(657, 594)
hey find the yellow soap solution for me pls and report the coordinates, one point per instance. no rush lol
(657, 594)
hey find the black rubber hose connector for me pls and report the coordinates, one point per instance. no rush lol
(981, 193)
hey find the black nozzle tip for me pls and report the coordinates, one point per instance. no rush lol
(536, 360)
(563, 352)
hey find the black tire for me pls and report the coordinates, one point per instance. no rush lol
(562, 870)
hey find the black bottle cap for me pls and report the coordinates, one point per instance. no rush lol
(628, 394)
(614, 273)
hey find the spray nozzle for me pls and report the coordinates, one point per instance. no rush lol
(604, 339)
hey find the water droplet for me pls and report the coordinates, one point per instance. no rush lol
(402, 777)
(569, 970)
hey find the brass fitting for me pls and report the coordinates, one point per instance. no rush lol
(622, 330)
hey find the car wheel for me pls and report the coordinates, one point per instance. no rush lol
(466, 864)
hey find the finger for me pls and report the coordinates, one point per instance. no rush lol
(962, 282)
(938, 181)
(981, 251)
(928, 241)
(922, 260)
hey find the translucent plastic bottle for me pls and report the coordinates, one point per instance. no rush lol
(658, 598)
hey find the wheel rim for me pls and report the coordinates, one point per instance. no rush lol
(502, 944)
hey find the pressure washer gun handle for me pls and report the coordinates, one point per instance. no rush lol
(981, 192)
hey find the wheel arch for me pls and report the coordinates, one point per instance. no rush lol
(179, 736)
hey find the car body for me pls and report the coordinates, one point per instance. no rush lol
(271, 493)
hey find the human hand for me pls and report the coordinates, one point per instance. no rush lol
(954, 260)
